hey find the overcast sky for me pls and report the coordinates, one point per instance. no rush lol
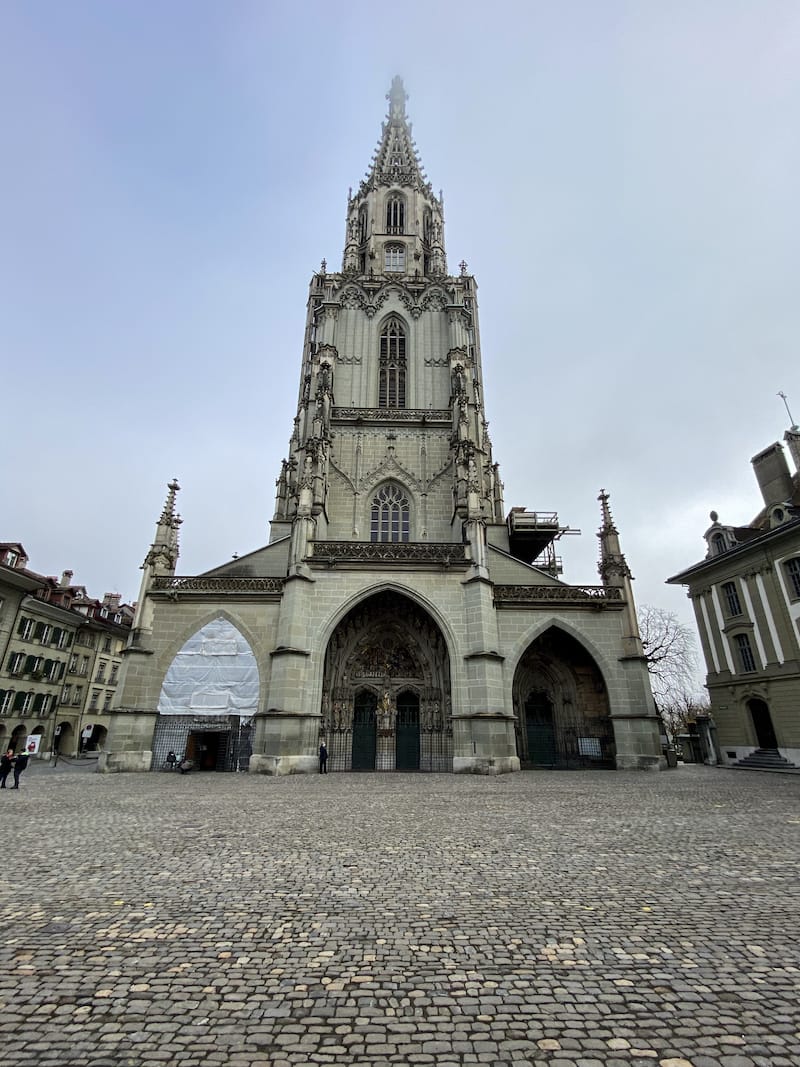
(622, 179)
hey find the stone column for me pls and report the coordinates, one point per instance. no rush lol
(483, 739)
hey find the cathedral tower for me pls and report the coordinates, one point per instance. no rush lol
(396, 612)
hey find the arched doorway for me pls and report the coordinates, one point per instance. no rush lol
(64, 738)
(207, 701)
(18, 737)
(386, 689)
(762, 723)
(561, 705)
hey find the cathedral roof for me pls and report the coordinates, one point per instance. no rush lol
(396, 160)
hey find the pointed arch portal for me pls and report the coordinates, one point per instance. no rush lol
(386, 690)
(209, 696)
(561, 705)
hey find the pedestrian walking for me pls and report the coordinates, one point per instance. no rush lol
(323, 758)
(20, 763)
(6, 763)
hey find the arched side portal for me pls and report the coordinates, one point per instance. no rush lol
(209, 696)
(561, 704)
(386, 689)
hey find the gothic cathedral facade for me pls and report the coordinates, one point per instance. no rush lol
(397, 613)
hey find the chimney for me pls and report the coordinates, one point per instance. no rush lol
(112, 600)
(772, 473)
(66, 579)
(792, 439)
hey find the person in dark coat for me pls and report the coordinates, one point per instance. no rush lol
(172, 759)
(6, 763)
(20, 763)
(323, 758)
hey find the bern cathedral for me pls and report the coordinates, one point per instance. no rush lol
(398, 613)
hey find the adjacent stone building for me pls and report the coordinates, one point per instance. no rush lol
(746, 598)
(397, 612)
(54, 642)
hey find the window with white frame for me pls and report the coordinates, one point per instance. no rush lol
(25, 628)
(66, 694)
(95, 698)
(78, 696)
(394, 258)
(792, 569)
(16, 661)
(6, 700)
(732, 599)
(747, 660)
(390, 519)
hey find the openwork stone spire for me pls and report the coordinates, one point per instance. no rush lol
(396, 160)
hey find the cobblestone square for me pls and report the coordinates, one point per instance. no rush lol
(563, 918)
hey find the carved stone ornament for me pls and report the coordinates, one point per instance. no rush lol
(588, 594)
(221, 584)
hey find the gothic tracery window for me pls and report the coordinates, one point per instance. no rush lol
(395, 214)
(392, 384)
(390, 515)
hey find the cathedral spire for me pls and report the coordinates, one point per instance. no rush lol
(396, 160)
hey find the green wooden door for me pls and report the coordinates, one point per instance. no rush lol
(407, 733)
(364, 732)
(540, 730)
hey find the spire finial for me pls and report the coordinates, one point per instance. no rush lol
(397, 97)
(168, 514)
(608, 522)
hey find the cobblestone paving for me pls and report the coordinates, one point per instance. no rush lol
(561, 919)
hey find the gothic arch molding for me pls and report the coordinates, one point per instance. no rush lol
(246, 692)
(561, 704)
(549, 622)
(171, 650)
(386, 688)
(369, 591)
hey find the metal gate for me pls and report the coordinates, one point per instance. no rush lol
(407, 733)
(364, 732)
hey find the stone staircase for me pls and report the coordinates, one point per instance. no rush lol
(766, 759)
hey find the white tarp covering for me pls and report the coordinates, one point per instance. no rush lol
(215, 672)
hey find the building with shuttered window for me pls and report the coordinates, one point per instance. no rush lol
(746, 598)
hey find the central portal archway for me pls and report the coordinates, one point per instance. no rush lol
(386, 690)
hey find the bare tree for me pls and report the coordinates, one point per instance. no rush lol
(671, 653)
(680, 709)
